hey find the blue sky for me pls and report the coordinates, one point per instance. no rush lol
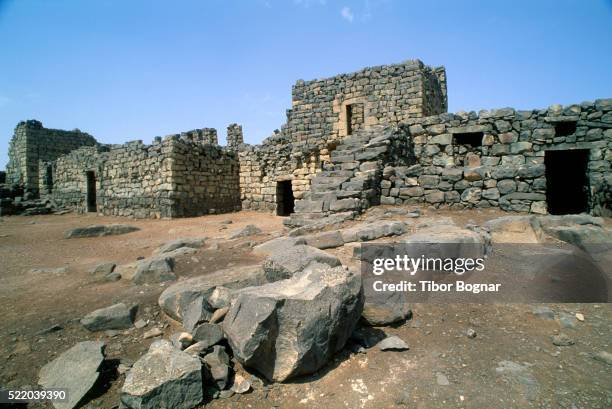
(124, 70)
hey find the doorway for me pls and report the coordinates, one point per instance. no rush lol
(567, 181)
(91, 191)
(285, 201)
(49, 178)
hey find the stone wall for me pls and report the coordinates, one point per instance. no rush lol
(181, 175)
(325, 111)
(32, 144)
(204, 178)
(235, 137)
(497, 158)
(69, 176)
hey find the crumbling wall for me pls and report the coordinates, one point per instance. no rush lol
(33, 144)
(505, 166)
(186, 174)
(325, 111)
(235, 138)
(263, 166)
(204, 179)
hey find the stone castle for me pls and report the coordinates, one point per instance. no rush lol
(381, 135)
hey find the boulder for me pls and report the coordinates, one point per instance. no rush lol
(217, 363)
(583, 231)
(180, 243)
(177, 299)
(393, 343)
(118, 316)
(249, 230)
(99, 230)
(373, 231)
(75, 370)
(449, 241)
(514, 229)
(164, 377)
(294, 326)
(103, 269)
(385, 308)
(325, 240)
(209, 334)
(284, 264)
(155, 270)
(276, 245)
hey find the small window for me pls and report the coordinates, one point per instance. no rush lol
(565, 128)
(473, 139)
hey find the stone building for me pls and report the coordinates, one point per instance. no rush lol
(33, 150)
(381, 135)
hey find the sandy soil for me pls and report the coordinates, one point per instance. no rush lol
(443, 367)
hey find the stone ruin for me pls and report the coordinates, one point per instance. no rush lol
(377, 136)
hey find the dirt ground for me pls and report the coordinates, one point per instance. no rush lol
(510, 363)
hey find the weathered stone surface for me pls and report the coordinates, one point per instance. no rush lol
(155, 270)
(278, 244)
(177, 299)
(118, 316)
(209, 334)
(103, 269)
(281, 265)
(217, 363)
(325, 240)
(373, 230)
(99, 230)
(164, 377)
(514, 229)
(293, 327)
(180, 243)
(249, 230)
(75, 370)
(603, 356)
(393, 343)
(476, 244)
(386, 308)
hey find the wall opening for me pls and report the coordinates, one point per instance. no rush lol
(473, 139)
(567, 181)
(49, 178)
(285, 201)
(354, 118)
(91, 191)
(565, 128)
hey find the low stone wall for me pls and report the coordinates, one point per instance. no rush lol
(505, 165)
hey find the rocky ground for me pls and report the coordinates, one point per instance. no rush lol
(458, 355)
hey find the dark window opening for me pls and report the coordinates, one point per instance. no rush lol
(473, 139)
(91, 191)
(49, 178)
(565, 128)
(284, 198)
(354, 118)
(567, 181)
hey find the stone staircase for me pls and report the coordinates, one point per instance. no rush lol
(350, 183)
